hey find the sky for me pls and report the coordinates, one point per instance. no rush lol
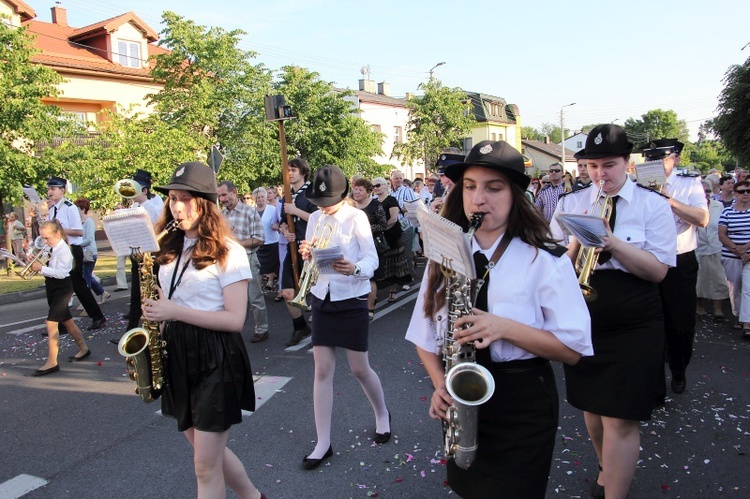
(614, 60)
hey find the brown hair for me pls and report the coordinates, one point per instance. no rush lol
(363, 182)
(302, 165)
(84, 204)
(525, 222)
(213, 233)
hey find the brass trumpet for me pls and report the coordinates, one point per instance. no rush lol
(310, 273)
(588, 257)
(40, 253)
(128, 189)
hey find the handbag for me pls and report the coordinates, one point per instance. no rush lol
(381, 244)
(88, 254)
(404, 223)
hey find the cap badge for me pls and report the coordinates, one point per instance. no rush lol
(486, 149)
(179, 172)
(322, 187)
(442, 158)
(598, 140)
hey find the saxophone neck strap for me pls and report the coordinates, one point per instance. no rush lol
(496, 255)
(174, 285)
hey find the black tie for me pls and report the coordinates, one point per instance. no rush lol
(604, 256)
(54, 215)
(480, 263)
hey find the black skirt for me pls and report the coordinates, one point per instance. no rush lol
(516, 435)
(209, 379)
(268, 256)
(622, 379)
(342, 323)
(59, 292)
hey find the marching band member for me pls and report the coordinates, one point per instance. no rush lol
(528, 311)
(202, 305)
(678, 289)
(617, 387)
(59, 289)
(339, 305)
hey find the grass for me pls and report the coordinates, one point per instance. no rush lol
(106, 266)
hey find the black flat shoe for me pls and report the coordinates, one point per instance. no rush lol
(44, 372)
(97, 324)
(311, 464)
(73, 358)
(597, 491)
(381, 438)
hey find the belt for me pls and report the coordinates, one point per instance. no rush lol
(520, 365)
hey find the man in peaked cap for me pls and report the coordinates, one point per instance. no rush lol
(447, 157)
(69, 217)
(688, 203)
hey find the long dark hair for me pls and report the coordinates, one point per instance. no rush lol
(524, 222)
(213, 233)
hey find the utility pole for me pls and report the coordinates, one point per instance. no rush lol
(562, 134)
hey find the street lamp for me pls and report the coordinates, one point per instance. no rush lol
(562, 133)
(435, 66)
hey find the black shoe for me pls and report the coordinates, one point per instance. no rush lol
(73, 358)
(97, 324)
(311, 464)
(381, 438)
(678, 384)
(115, 341)
(44, 372)
(117, 290)
(298, 335)
(597, 491)
(126, 317)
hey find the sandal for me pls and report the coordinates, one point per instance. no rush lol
(737, 325)
(718, 318)
(391, 296)
(746, 334)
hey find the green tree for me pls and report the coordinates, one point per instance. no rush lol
(656, 124)
(437, 119)
(25, 120)
(325, 128)
(531, 133)
(732, 124)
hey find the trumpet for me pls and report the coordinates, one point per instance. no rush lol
(310, 273)
(128, 189)
(40, 253)
(587, 258)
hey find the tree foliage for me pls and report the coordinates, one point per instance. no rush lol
(438, 119)
(656, 124)
(24, 119)
(733, 121)
(531, 133)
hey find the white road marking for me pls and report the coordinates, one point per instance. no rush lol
(299, 346)
(24, 321)
(20, 486)
(38, 327)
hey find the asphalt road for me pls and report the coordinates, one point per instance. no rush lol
(82, 433)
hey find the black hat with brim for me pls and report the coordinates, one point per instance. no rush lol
(499, 156)
(661, 148)
(143, 178)
(604, 141)
(57, 182)
(328, 187)
(194, 177)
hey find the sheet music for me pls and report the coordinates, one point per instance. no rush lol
(324, 258)
(412, 208)
(651, 174)
(588, 229)
(128, 229)
(31, 194)
(445, 241)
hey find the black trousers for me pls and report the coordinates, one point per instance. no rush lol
(80, 288)
(678, 298)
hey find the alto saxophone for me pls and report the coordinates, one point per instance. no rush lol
(143, 347)
(469, 383)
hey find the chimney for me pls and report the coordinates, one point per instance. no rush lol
(384, 88)
(546, 139)
(59, 15)
(367, 85)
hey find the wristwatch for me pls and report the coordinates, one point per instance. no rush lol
(357, 271)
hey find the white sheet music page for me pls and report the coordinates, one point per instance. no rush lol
(325, 257)
(446, 242)
(130, 228)
(588, 229)
(651, 174)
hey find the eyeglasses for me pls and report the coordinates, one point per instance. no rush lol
(247, 198)
(555, 171)
(377, 185)
(743, 191)
(709, 192)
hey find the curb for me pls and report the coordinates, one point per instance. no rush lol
(39, 293)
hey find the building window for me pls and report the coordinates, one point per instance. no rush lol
(129, 54)
(398, 135)
(500, 136)
(579, 144)
(375, 128)
(493, 137)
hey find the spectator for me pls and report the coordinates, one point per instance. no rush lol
(395, 269)
(404, 194)
(362, 195)
(268, 254)
(726, 191)
(17, 231)
(583, 173)
(734, 234)
(712, 282)
(546, 201)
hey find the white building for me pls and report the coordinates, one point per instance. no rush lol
(576, 142)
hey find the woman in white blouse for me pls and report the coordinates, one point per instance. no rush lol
(202, 306)
(339, 305)
(528, 312)
(59, 290)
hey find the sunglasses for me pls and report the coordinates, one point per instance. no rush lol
(377, 185)
(247, 197)
(743, 191)
(546, 182)
(555, 171)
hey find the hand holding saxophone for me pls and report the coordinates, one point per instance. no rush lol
(162, 309)
(481, 327)
(440, 403)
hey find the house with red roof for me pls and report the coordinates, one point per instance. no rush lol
(105, 65)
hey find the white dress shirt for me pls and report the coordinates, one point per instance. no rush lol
(69, 217)
(708, 236)
(351, 232)
(644, 220)
(689, 191)
(269, 218)
(60, 263)
(154, 207)
(527, 285)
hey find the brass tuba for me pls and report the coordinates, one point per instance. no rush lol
(128, 189)
(469, 383)
(143, 347)
(309, 275)
(587, 258)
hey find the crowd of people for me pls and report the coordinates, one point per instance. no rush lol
(668, 255)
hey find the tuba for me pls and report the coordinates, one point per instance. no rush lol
(469, 383)
(143, 347)
(128, 190)
(309, 275)
(40, 253)
(587, 258)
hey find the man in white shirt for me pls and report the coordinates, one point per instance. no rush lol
(678, 293)
(404, 194)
